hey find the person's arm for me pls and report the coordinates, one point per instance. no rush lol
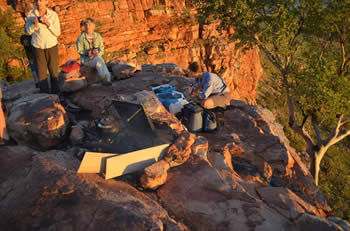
(54, 25)
(31, 24)
(80, 47)
(207, 86)
(101, 47)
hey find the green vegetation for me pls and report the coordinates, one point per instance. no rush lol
(134, 19)
(187, 16)
(141, 55)
(158, 7)
(11, 48)
(161, 49)
(147, 45)
(99, 25)
(306, 49)
(335, 171)
(107, 56)
(308, 43)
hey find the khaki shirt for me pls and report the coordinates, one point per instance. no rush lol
(84, 45)
(43, 37)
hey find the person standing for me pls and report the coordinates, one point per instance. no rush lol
(90, 48)
(29, 50)
(3, 132)
(44, 27)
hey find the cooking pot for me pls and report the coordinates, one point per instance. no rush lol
(108, 126)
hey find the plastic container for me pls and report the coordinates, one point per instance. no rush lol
(175, 108)
(193, 117)
(168, 98)
(163, 88)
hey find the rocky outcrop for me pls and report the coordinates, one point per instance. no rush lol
(38, 120)
(244, 176)
(41, 191)
(149, 31)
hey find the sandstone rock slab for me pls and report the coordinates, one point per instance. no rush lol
(287, 202)
(38, 120)
(41, 191)
(310, 222)
(198, 194)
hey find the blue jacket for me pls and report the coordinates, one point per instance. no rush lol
(212, 84)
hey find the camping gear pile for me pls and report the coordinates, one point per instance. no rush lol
(193, 116)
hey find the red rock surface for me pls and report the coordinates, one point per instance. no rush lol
(41, 191)
(148, 31)
(244, 176)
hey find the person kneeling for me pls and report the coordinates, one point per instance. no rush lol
(90, 48)
(215, 92)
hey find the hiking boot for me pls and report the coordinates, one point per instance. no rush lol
(6, 142)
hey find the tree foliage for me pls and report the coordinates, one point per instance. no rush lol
(308, 42)
(11, 48)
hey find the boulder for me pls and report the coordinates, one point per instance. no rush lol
(155, 175)
(19, 90)
(121, 70)
(169, 68)
(342, 223)
(311, 222)
(179, 152)
(38, 120)
(77, 134)
(72, 81)
(147, 67)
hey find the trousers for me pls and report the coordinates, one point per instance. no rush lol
(47, 59)
(98, 63)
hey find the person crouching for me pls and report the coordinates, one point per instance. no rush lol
(211, 88)
(90, 48)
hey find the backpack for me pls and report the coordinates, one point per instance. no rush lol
(209, 121)
(70, 65)
(70, 79)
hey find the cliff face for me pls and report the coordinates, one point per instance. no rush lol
(157, 31)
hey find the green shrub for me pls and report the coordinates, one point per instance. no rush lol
(11, 48)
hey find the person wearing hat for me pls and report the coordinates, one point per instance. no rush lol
(43, 25)
(210, 88)
(90, 48)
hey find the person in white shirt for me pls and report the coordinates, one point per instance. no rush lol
(44, 26)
